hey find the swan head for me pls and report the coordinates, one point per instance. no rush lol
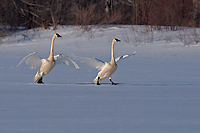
(57, 35)
(116, 40)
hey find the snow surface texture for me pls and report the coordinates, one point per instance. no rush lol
(159, 90)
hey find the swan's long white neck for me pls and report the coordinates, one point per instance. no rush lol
(112, 51)
(52, 47)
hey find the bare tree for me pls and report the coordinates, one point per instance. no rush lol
(38, 12)
(196, 12)
(35, 13)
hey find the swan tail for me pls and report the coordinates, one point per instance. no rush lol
(36, 77)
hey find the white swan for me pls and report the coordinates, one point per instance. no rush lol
(46, 65)
(106, 69)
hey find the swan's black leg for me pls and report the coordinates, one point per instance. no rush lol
(40, 81)
(98, 81)
(112, 82)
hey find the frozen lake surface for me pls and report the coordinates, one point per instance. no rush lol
(158, 90)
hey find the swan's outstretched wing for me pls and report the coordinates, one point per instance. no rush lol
(91, 62)
(32, 60)
(60, 58)
(124, 56)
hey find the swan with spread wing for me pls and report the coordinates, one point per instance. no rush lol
(46, 65)
(105, 69)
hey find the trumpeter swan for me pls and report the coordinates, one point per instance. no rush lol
(46, 65)
(105, 69)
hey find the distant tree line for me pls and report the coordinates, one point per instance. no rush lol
(45, 13)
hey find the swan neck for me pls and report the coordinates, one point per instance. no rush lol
(112, 51)
(52, 47)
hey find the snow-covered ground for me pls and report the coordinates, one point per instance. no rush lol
(158, 90)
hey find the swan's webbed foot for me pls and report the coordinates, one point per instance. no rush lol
(40, 81)
(113, 82)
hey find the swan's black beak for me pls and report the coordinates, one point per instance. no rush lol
(58, 35)
(117, 40)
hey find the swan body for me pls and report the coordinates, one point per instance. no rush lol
(46, 65)
(105, 69)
